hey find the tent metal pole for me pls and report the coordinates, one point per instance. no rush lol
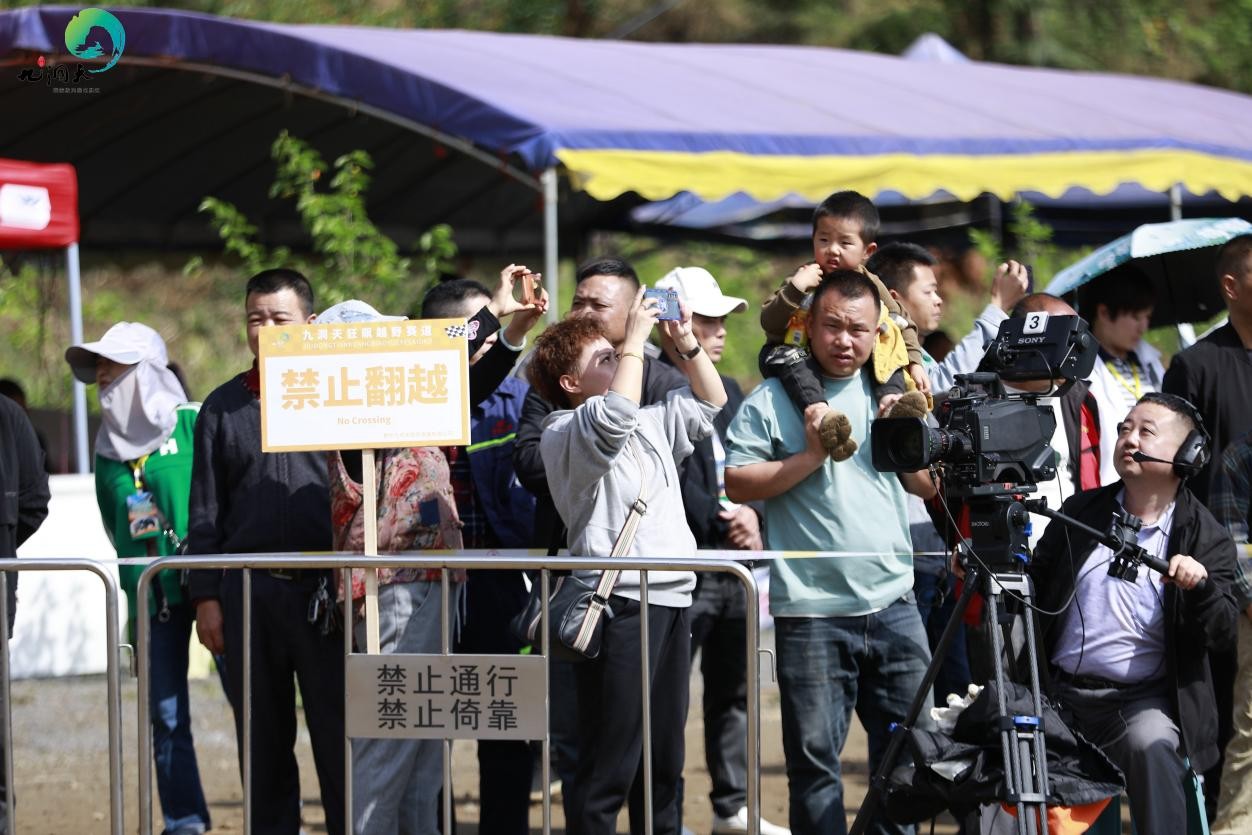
(76, 338)
(995, 216)
(1186, 332)
(551, 261)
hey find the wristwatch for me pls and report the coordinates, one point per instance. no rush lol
(689, 355)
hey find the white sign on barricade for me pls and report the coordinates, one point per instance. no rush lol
(447, 696)
(364, 386)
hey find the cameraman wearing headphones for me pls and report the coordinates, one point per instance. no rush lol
(1128, 659)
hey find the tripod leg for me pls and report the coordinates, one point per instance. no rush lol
(1041, 760)
(1008, 747)
(1021, 738)
(873, 798)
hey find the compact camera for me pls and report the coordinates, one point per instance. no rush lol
(667, 303)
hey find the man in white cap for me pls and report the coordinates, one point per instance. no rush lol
(718, 611)
(143, 482)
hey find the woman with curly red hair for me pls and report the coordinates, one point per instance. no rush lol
(602, 452)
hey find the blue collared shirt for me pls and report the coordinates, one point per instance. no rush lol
(1115, 629)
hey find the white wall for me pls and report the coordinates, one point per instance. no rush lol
(60, 627)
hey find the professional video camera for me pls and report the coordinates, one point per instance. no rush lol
(991, 441)
(994, 447)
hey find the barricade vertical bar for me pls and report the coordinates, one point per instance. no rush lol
(8, 704)
(645, 669)
(445, 638)
(143, 658)
(544, 647)
(346, 576)
(551, 271)
(247, 701)
(752, 653)
(113, 678)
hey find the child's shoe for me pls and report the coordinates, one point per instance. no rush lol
(836, 435)
(911, 404)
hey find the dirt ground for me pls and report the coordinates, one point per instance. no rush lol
(61, 768)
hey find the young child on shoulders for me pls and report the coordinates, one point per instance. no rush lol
(845, 229)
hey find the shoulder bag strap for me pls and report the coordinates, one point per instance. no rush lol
(626, 537)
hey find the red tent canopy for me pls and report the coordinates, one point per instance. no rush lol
(39, 210)
(38, 205)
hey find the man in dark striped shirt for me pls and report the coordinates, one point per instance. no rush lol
(1231, 501)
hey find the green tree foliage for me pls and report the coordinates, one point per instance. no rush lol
(1030, 241)
(351, 257)
(199, 316)
(1032, 244)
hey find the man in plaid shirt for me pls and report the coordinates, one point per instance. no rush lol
(1231, 502)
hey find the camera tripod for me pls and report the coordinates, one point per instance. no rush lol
(999, 541)
(998, 521)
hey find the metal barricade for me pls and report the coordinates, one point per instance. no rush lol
(448, 561)
(113, 676)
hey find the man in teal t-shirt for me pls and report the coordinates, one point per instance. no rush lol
(847, 630)
(143, 463)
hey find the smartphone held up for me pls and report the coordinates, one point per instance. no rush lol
(526, 286)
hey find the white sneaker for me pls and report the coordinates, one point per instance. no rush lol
(738, 822)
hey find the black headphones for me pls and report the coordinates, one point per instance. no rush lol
(1193, 456)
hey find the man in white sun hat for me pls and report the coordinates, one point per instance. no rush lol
(718, 611)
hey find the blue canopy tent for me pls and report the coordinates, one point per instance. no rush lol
(1077, 217)
(617, 119)
(488, 132)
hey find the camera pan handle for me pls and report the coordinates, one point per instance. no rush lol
(1110, 540)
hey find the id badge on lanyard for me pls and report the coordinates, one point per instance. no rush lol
(142, 516)
(146, 524)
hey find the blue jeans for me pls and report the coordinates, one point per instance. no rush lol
(718, 625)
(827, 667)
(177, 773)
(396, 782)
